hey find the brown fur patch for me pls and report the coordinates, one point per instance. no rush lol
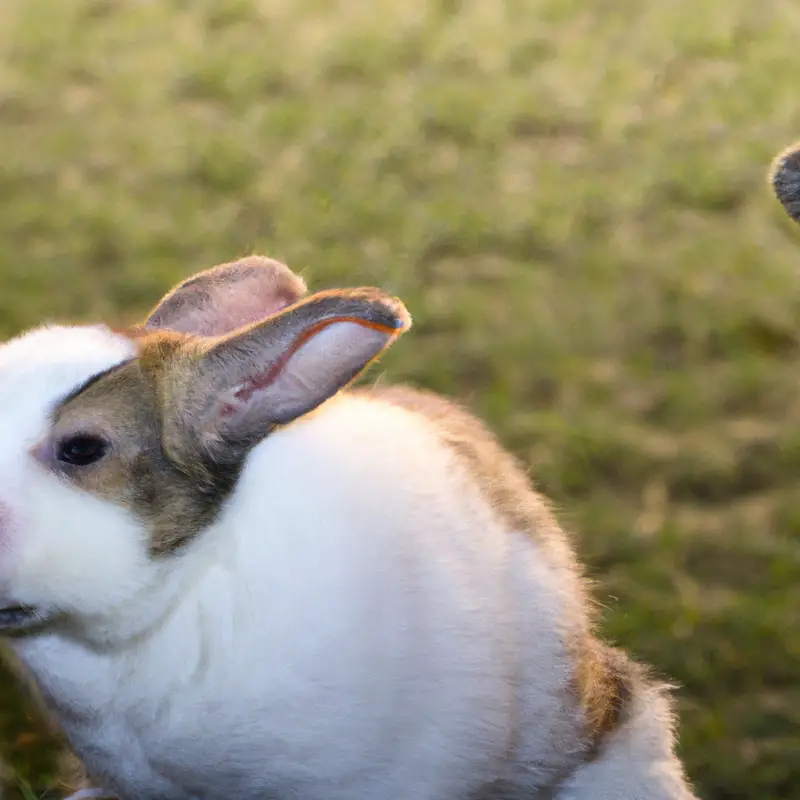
(604, 677)
(606, 681)
(124, 407)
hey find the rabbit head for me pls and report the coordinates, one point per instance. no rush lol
(119, 447)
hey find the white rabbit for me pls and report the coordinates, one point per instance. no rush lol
(229, 576)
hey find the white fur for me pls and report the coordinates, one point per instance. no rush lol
(51, 531)
(639, 761)
(356, 625)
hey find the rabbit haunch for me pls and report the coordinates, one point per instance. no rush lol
(245, 599)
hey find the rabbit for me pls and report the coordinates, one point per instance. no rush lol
(228, 572)
(784, 176)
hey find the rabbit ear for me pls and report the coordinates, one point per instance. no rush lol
(227, 297)
(223, 396)
(785, 179)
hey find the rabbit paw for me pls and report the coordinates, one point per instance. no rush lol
(88, 794)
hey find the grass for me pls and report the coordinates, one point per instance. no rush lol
(570, 196)
(27, 793)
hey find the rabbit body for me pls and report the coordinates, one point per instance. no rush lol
(379, 607)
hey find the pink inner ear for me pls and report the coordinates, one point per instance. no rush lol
(228, 297)
(261, 381)
(221, 319)
(322, 360)
(238, 310)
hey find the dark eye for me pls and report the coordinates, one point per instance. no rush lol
(81, 450)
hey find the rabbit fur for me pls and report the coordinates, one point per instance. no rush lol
(227, 573)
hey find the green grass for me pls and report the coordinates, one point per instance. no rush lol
(570, 197)
(27, 793)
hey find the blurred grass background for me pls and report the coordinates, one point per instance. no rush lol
(570, 197)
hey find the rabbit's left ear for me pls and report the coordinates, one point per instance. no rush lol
(227, 297)
(785, 179)
(222, 396)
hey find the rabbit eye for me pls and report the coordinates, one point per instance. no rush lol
(80, 451)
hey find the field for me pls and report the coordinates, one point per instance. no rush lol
(571, 199)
